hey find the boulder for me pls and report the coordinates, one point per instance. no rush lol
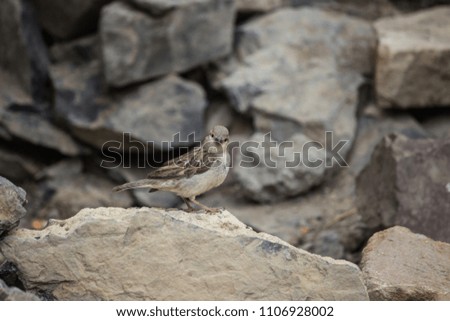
(307, 82)
(23, 57)
(400, 265)
(406, 184)
(15, 294)
(413, 60)
(272, 174)
(69, 19)
(137, 45)
(12, 200)
(143, 254)
(151, 112)
(303, 83)
(35, 129)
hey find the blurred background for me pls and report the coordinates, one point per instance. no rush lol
(75, 74)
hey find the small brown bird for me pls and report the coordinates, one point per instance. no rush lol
(191, 174)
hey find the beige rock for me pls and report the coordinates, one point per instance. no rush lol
(400, 265)
(143, 254)
(413, 60)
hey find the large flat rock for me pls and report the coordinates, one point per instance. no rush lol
(155, 254)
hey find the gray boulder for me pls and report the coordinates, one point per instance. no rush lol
(406, 183)
(400, 265)
(143, 254)
(137, 45)
(151, 112)
(413, 60)
(12, 200)
(33, 128)
(275, 174)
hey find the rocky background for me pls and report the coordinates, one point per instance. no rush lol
(76, 74)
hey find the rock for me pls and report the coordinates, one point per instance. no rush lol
(351, 41)
(373, 125)
(266, 175)
(23, 61)
(142, 254)
(137, 45)
(151, 112)
(74, 18)
(12, 200)
(400, 265)
(15, 294)
(31, 127)
(405, 184)
(307, 82)
(413, 60)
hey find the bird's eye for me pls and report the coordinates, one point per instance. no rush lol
(226, 139)
(212, 135)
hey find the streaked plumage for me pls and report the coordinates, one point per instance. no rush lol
(193, 173)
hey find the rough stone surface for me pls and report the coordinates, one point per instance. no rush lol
(352, 41)
(305, 82)
(400, 265)
(152, 112)
(15, 294)
(70, 18)
(406, 184)
(269, 176)
(12, 200)
(117, 254)
(137, 46)
(23, 57)
(35, 129)
(413, 60)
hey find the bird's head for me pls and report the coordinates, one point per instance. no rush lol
(218, 135)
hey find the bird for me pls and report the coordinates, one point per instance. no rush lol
(191, 174)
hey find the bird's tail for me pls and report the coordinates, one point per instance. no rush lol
(143, 183)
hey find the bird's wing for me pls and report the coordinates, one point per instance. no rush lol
(193, 162)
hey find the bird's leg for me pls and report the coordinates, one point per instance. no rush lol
(189, 206)
(206, 208)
